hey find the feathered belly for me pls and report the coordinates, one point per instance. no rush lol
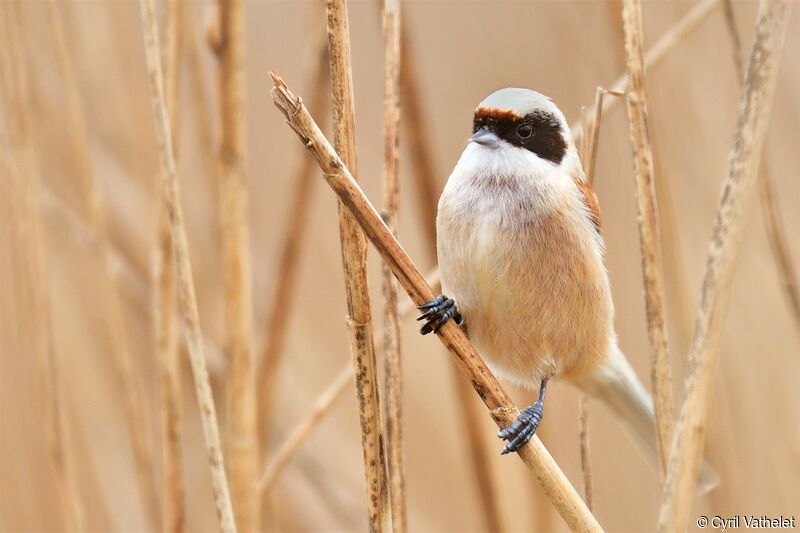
(534, 296)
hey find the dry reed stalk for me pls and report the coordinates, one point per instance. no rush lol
(743, 163)
(283, 296)
(393, 372)
(322, 406)
(769, 204)
(665, 44)
(301, 431)
(173, 508)
(354, 257)
(583, 414)
(534, 454)
(593, 137)
(28, 238)
(585, 126)
(427, 199)
(586, 455)
(594, 131)
(675, 277)
(114, 316)
(188, 300)
(241, 435)
(649, 232)
(589, 154)
(173, 517)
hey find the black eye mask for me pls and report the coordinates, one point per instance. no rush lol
(539, 131)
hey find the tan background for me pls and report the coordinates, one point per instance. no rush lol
(463, 51)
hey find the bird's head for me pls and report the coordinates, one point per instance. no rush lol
(523, 119)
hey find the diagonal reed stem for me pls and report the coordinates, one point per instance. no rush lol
(534, 454)
(776, 232)
(188, 300)
(291, 445)
(743, 163)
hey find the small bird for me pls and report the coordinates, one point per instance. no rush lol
(521, 257)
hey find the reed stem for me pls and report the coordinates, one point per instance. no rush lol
(586, 453)
(354, 256)
(393, 372)
(649, 231)
(776, 231)
(241, 436)
(164, 302)
(187, 298)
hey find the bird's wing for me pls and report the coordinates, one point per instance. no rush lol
(590, 200)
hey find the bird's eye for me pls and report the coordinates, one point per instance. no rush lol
(524, 130)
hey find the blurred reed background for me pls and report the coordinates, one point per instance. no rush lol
(86, 364)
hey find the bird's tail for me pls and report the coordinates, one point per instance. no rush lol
(617, 385)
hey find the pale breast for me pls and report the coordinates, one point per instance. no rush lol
(520, 261)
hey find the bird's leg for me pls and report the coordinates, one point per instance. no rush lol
(437, 312)
(523, 428)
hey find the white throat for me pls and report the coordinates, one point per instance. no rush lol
(489, 184)
(507, 161)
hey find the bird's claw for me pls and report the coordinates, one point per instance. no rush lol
(436, 312)
(522, 429)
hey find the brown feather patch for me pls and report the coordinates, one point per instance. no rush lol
(590, 199)
(498, 114)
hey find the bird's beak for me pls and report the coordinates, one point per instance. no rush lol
(486, 138)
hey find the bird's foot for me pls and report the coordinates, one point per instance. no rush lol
(437, 312)
(523, 428)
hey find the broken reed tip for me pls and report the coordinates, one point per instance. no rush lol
(276, 80)
(288, 103)
(282, 97)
